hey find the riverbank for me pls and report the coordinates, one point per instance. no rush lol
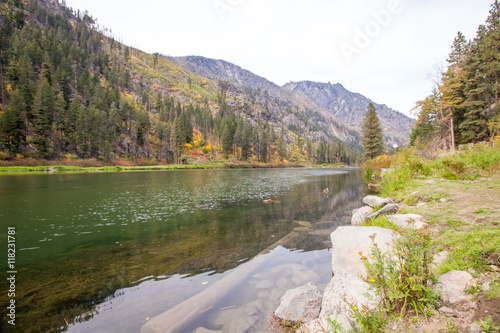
(463, 217)
(457, 194)
(451, 280)
(93, 166)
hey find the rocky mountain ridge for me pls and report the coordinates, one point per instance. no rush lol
(343, 111)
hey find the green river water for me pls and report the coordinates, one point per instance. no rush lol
(108, 252)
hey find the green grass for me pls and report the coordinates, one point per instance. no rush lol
(469, 249)
(456, 223)
(494, 291)
(483, 211)
(63, 168)
(464, 165)
(381, 222)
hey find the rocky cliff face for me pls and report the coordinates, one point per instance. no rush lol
(351, 108)
(337, 111)
(223, 70)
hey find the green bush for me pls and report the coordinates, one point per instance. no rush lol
(402, 278)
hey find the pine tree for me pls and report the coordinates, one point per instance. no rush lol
(246, 138)
(226, 138)
(176, 138)
(43, 109)
(452, 89)
(264, 142)
(72, 118)
(474, 126)
(282, 143)
(12, 126)
(372, 136)
(426, 124)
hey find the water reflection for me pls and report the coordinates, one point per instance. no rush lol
(90, 236)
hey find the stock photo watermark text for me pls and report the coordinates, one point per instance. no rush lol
(11, 275)
(380, 19)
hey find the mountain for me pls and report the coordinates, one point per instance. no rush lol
(223, 70)
(300, 114)
(351, 108)
(73, 91)
(342, 110)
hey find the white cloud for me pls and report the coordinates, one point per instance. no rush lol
(286, 40)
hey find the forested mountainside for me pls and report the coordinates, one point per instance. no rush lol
(343, 110)
(71, 90)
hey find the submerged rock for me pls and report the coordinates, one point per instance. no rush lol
(300, 304)
(204, 330)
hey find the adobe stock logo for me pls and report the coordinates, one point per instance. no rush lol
(363, 37)
(223, 6)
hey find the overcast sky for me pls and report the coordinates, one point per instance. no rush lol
(387, 50)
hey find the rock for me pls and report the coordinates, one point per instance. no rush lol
(374, 201)
(359, 215)
(265, 284)
(322, 325)
(452, 286)
(348, 241)
(304, 224)
(204, 330)
(440, 258)
(421, 204)
(494, 268)
(373, 185)
(443, 200)
(475, 328)
(345, 220)
(446, 311)
(345, 291)
(384, 171)
(300, 304)
(414, 221)
(242, 324)
(386, 210)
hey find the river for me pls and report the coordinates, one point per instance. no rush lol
(107, 252)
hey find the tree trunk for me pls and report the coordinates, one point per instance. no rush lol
(452, 132)
(496, 90)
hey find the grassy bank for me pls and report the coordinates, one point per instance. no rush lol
(458, 196)
(66, 168)
(94, 166)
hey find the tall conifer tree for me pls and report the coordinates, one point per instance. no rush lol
(372, 136)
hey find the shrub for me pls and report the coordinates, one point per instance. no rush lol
(402, 279)
(4, 156)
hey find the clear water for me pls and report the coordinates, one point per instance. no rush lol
(108, 252)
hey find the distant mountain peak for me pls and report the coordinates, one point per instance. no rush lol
(341, 109)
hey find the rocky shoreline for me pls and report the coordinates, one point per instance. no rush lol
(311, 309)
(348, 287)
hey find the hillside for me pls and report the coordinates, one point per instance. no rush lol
(71, 91)
(342, 110)
(302, 116)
